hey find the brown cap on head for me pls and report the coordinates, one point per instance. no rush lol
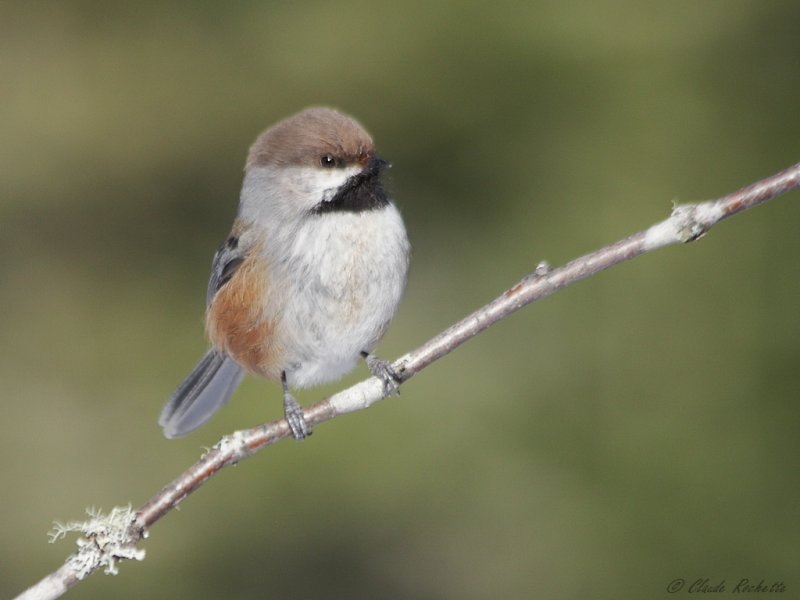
(303, 139)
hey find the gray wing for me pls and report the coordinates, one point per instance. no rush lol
(212, 382)
(226, 260)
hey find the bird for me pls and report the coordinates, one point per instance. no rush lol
(310, 276)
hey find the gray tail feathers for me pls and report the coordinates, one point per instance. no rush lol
(201, 394)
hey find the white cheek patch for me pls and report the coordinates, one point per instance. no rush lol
(283, 194)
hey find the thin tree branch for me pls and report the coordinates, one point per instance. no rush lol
(687, 223)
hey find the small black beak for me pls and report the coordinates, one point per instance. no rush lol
(376, 165)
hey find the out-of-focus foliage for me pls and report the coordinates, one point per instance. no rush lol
(634, 429)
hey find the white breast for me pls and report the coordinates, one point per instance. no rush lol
(341, 274)
(345, 276)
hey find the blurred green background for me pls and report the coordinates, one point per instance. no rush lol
(636, 428)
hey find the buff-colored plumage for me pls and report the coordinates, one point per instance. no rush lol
(235, 324)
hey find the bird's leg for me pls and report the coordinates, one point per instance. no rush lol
(383, 370)
(294, 413)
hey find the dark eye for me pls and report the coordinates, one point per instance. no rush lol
(328, 161)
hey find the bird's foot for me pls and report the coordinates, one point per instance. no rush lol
(293, 413)
(295, 417)
(384, 371)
